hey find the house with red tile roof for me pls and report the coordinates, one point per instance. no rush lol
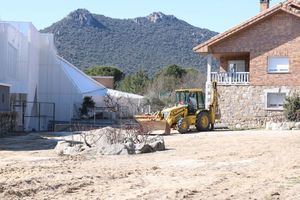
(259, 65)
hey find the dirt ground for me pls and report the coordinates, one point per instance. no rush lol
(213, 165)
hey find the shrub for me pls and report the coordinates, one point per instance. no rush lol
(135, 83)
(292, 107)
(87, 104)
(7, 122)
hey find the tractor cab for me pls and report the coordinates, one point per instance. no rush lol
(193, 98)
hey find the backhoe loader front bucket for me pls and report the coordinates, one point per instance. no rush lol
(149, 123)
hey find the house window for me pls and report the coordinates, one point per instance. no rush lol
(278, 64)
(3, 98)
(275, 100)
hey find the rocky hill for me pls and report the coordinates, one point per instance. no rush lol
(151, 42)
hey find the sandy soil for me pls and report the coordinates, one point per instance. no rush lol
(215, 165)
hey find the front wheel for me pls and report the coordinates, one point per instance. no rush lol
(202, 121)
(183, 125)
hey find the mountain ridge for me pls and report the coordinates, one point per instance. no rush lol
(147, 43)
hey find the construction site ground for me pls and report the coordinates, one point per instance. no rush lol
(210, 165)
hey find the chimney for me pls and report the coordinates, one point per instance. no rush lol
(264, 5)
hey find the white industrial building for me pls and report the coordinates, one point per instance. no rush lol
(41, 84)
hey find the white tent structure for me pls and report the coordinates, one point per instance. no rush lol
(50, 85)
(19, 63)
(86, 86)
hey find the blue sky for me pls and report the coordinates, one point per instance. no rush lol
(217, 15)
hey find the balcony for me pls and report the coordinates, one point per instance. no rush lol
(231, 78)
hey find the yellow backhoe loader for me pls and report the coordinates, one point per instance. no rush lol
(188, 111)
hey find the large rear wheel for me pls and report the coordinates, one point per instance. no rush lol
(202, 121)
(183, 125)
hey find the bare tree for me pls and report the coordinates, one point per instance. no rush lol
(193, 80)
(126, 127)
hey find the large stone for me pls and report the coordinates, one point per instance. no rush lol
(151, 144)
(130, 147)
(60, 147)
(238, 126)
(269, 125)
(276, 126)
(157, 143)
(102, 137)
(112, 149)
(74, 150)
(143, 148)
(285, 126)
(158, 146)
(109, 141)
(68, 148)
(280, 126)
(297, 125)
(288, 125)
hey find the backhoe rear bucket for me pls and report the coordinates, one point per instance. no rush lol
(149, 123)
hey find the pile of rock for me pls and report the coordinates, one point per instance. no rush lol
(109, 141)
(285, 126)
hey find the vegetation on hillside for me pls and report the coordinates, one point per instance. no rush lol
(151, 42)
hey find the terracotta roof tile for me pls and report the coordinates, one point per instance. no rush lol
(289, 6)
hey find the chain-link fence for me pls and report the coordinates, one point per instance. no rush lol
(34, 116)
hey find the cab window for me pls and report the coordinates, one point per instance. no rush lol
(201, 100)
(192, 100)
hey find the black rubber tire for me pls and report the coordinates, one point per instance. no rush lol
(199, 125)
(182, 129)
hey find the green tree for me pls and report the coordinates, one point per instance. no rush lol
(173, 77)
(105, 71)
(174, 70)
(292, 107)
(193, 79)
(164, 83)
(87, 104)
(135, 83)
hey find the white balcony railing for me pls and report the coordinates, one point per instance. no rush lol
(230, 78)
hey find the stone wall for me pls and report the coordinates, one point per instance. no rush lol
(245, 106)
